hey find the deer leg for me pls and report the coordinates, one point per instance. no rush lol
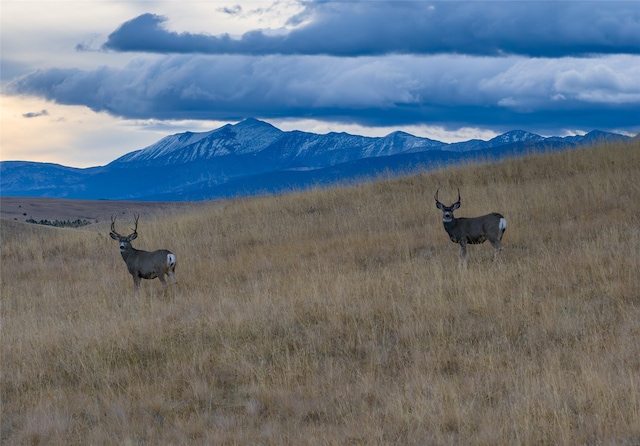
(164, 284)
(463, 254)
(497, 248)
(136, 285)
(172, 277)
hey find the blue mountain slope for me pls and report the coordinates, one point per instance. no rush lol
(42, 179)
(254, 157)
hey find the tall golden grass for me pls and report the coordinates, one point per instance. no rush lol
(341, 316)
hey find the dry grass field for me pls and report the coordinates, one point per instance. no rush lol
(340, 316)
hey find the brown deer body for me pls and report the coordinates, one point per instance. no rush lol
(144, 264)
(472, 230)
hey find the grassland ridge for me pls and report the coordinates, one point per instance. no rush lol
(341, 316)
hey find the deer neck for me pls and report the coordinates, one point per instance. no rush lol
(449, 226)
(128, 253)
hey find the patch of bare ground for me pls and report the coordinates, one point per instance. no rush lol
(341, 316)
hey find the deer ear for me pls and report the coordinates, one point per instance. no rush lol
(440, 205)
(113, 236)
(132, 236)
(455, 205)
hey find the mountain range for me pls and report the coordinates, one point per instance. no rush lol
(253, 157)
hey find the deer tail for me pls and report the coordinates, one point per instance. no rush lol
(171, 260)
(503, 224)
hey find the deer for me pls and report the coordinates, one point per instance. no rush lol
(144, 264)
(474, 230)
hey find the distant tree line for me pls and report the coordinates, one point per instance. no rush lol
(61, 223)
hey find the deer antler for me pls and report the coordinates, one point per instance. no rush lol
(136, 216)
(438, 201)
(113, 225)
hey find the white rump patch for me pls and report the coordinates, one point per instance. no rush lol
(503, 224)
(171, 259)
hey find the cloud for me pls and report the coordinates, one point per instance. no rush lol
(451, 91)
(234, 10)
(35, 114)
(357, 28)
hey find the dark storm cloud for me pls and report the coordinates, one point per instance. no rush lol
(355, 28)
(451, 91)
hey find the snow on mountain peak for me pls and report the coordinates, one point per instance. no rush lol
(516, 136)
(244, 137)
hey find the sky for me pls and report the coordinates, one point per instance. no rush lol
(86, 81)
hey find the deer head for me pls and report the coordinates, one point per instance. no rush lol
(447, 211)
(125, 241)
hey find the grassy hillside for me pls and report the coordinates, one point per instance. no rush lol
(341, 317)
